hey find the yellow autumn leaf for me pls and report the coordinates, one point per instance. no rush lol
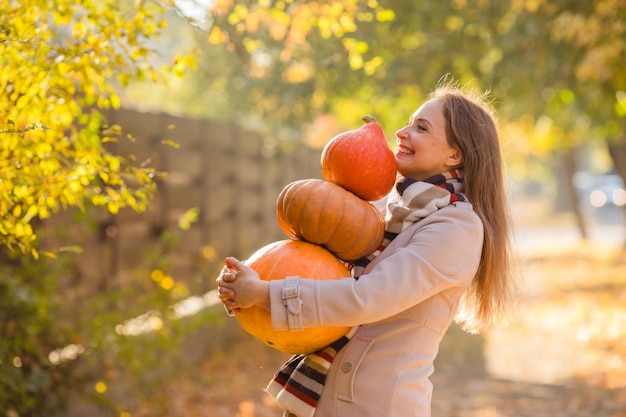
(79, 30)
(100, 387)
(216, 36)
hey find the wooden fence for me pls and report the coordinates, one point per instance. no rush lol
(228, 173)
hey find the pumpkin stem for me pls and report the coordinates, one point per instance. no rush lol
(368, 119)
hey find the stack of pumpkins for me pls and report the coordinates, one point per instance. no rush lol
(329, 222)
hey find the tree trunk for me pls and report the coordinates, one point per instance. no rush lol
(569, 169)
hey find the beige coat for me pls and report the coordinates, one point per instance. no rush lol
(404, 302)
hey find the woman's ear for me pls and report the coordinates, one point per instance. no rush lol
(455, 158)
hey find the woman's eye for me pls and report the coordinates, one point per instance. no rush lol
(421, 128)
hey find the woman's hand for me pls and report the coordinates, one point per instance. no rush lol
(227, 295)
(239, 286)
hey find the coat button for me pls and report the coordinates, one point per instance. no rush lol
(346, 367)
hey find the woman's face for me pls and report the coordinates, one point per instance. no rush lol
(423, 149)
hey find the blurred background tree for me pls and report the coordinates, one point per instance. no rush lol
(305, 70)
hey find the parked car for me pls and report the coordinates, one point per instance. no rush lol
(602, 195)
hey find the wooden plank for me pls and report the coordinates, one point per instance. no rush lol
(184, 132)
(217, 137)
(222, 237)
(187, 161)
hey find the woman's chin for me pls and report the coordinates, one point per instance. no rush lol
(403, 161)
(402, 171)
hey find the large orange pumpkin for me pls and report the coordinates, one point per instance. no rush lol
(291, 258)
(360, 161)
(326, 214)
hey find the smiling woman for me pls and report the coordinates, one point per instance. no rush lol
(445, 254)
(423, 148)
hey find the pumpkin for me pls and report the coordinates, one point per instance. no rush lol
(326, 214)
(360, 161)
(281, 259)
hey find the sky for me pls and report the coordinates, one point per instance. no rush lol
(196, 9)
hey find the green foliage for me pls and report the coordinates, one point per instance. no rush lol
(60, 344)
(280, 65)
(63, 63)
(60, 67)
(26, 319)
(563, 63)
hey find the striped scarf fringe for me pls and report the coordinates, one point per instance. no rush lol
(298, 384)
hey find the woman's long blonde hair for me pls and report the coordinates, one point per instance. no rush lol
(471, 128)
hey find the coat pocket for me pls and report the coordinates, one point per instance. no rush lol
(347, 369)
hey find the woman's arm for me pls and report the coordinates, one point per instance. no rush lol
(441, 252)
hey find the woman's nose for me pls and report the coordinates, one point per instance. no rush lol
(401, 134)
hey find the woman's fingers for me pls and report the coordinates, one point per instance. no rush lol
(234, 263)
(225, 293)
(226, 275)
(229, 272)
(237, 284)
(229, 276)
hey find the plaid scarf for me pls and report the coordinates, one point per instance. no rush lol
(411, 200)
(298, 384)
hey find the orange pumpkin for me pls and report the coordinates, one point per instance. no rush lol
(360, 161)
(291, 258)
(326, 214)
